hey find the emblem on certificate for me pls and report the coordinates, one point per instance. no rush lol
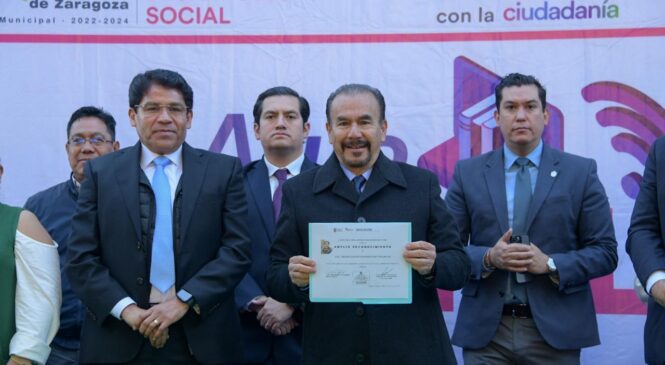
(360, 262)
(325, 247)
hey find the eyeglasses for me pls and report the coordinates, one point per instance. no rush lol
(95, 141)
(154, 109)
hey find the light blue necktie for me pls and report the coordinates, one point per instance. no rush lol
(162, 267)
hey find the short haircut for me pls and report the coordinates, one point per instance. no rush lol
(354, 89)
(93, 111)
(165, 78)
(276, 91)
(517, 79)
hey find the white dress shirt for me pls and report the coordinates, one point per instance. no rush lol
(294, 169)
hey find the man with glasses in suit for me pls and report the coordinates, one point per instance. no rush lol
(90, 134)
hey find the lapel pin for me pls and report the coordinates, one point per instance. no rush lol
(553, 173)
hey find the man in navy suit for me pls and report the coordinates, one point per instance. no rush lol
(271, 329)
(646, 247)
(159, 240)
(358, 183)
(529, 301)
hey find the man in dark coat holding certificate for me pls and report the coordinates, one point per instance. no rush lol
(359, 184)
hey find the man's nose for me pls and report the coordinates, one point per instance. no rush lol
(281, 120)
(355, 130)
(87, 147)
(521, 113)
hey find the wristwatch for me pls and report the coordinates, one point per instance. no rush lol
(188, 299)
(551, 266)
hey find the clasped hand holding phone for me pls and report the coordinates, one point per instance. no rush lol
(517, 257)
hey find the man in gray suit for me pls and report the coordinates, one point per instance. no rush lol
(359, 184)
(538, 226)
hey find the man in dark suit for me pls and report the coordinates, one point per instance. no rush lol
(159, 240)
(271, 329)
(359, 184)
(90, 134)
(529, 302)
(646, 247)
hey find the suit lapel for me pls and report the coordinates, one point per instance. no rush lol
(128, 182)
(383, 173)
(193, 174)
(548, 164)
(495, 179)
(307, 164)
(331, 174)
(259, 184)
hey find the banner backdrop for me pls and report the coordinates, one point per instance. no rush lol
(436, 62)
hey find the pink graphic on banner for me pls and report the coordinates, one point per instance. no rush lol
(642, 116)
(644, 119)
(474, 129)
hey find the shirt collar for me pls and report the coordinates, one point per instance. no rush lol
(294, 167)
(77, 185)
(147, 156)
(509, 156)
(350, 175)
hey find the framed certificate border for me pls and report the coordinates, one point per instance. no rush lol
(326, 238)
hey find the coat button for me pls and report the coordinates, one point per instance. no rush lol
(139, 281)
(360, 311)
(138, 245)
(361, 220)
(360, 358)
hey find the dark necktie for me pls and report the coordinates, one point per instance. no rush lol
(522, 196)
(358, 183)
(162, 266)
(522, 201)
(281, 175)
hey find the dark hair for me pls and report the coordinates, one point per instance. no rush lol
(169, 79)
(276, 91)
(354, 89)
(93, 111)
(517, 79)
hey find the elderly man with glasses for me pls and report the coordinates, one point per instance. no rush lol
(90, 134)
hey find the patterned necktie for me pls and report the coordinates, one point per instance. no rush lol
(162, 266)
(358, 183)
(281, 175)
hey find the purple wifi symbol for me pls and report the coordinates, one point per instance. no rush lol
(640, 114)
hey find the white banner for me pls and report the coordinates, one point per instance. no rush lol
(435, 61)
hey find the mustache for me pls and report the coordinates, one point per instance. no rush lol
(359, 143)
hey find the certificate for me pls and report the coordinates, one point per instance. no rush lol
(360, 262)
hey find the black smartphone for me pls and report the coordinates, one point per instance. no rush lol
(520, 238)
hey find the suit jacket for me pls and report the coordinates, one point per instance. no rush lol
(569, 220)
(259, 342)
(646, 244)
(108, 261)
(345, 333)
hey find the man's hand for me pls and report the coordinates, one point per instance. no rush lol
(162, 316)
(257, 303)
(421, 255)
(18, 360)
(539, 261)
(511, 256)
(133, 316)
(159, 338)
(274, 313)
(284, 328)
(658, 292)
(299, 269)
